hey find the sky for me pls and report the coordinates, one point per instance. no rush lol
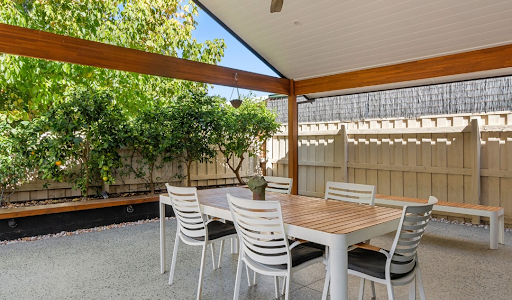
(235, 55)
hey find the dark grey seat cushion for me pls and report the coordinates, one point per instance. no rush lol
(303, 253)
(370, 262)
(218, 229)
(300, 254)
(315, 245)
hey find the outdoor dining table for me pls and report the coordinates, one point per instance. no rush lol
(336, 224)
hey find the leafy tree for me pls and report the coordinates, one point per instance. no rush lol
(153, 138)
(195, 118)
(244, 130)
(79, 139)
(15, 165)
(161, 26)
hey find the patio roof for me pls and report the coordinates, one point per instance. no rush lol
(313, 39)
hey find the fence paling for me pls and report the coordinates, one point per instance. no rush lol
(459, 158)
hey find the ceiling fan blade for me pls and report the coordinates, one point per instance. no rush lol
(276, 6)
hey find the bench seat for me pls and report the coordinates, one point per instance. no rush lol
(495, 214)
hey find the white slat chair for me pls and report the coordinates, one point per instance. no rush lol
(193, 228)
(279, 184)
(351, 192)
(400, 265)
(264, 247)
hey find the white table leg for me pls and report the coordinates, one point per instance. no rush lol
(162, 238)
(338, 258)
(234, 246)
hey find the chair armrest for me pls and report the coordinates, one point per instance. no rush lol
(371, 248)
(367, 247)
(212, 219)
(296, 243)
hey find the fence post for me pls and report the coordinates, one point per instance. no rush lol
(476, 146)
(343, 156)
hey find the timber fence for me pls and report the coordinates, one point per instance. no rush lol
(464, 158)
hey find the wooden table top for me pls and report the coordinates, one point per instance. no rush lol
(330, 216)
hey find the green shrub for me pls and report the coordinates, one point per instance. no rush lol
(153, 137)
(16, 165)
(243, 131)
(80, 138)
(195, 118)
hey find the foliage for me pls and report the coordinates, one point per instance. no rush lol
(15, 166)
(163, 27)
(153, 138)
(79, 139)
(244, 130)
(195, 117)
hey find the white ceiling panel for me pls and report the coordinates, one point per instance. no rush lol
(337, 36)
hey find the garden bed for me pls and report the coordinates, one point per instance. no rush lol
(47, 217)
(53, 218)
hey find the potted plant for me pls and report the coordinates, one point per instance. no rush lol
(257, 185)
(236, 103)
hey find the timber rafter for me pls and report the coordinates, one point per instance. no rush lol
(44, 45)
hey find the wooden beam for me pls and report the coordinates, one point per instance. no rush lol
(44, 45)
(467, 62)
(293, 139)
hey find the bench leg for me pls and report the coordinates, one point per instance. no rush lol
(502, 229)
(494, 226)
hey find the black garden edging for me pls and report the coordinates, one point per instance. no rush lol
(19, 227)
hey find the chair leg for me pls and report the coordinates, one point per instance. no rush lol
(201, 271)
(412, 289)
(220, 253)
(391, 293)
(287, 292)
(174, 257)
(254, 278)
(420, 283)
(374, 296)
(213, 256)
(361, 289)
(238, 278)
(284, 286)
(276, 285)
(249, 284)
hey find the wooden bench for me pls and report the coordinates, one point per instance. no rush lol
(495, 214)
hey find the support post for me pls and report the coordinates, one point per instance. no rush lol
(476, 146)
(293, 139)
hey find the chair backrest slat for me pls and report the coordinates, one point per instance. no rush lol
(187, 211)
(407, 239)
(279, 184)
(262, 235)
(351, 192)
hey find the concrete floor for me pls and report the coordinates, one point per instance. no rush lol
(123, 264)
